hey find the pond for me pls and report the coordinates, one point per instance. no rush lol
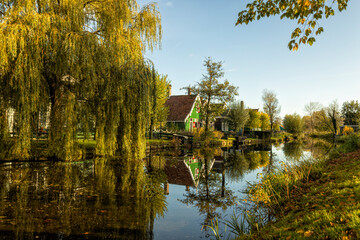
(168, 195)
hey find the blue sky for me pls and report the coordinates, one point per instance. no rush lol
(256, 56)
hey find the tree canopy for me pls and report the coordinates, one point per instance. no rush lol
(238, 115)
(293, 123)
(351, 112)
(306, 13)
(68, 55)
(212, 91)
(271, 107)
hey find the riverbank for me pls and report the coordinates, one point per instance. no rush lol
(317, 201)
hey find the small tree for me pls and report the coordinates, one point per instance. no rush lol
(212, 91)
(160, 94)
(271, 107)
(333, 113)
(238, 115)
(264, 121)
(293, 124)
(351, 112)
(254, 119)
(310, 109)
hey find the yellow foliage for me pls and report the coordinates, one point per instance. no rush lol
(218, 134)
(348, 130)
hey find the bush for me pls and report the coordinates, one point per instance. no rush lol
(218, 134)
(352, 143)
(348, 130)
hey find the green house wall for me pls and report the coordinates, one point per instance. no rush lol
(194, 115)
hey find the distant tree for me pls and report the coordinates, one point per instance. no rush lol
(307, 123)
(307, 14)
(321, 121)
(271, 107)
(160, 93)
(238, 115)
(264, 121)
(329, 118)
(333, 113)
(310, 109)
(212, 91)
(293, 124)
(254, 119)
(351, 112)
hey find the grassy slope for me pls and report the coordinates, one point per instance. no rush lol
(325, 208)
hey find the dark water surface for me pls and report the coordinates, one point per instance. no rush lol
(166, 196)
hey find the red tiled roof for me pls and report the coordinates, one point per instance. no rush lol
(179, 107)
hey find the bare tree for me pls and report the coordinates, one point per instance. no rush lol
(271, 106)
(310, 109)
(334, 114)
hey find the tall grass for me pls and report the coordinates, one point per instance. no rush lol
(269, 196)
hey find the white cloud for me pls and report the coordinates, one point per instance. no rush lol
(169, 4)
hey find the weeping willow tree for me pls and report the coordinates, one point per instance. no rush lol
(76, 54)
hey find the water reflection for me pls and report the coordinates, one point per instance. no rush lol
(125, 199)
(211, 192)
(100, 199)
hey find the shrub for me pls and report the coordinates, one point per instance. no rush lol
(352, 143)
(348, 130)
(218, 134)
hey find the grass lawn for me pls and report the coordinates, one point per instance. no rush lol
(324, 208)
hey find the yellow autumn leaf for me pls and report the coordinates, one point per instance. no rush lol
(308, 233)
(300, 231)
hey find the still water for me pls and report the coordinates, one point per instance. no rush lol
(168, 195)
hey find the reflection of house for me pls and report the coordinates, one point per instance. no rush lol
(184, 112)
(185, 172)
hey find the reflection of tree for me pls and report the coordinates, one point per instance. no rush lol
(106, 199)
(240, 162)
(236, 165)
(318, 147)
(293, 150)
(211, 193)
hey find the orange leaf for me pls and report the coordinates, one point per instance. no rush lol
(308, 233)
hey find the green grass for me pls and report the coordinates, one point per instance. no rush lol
(323, 208)
(311, 200)
(157, 140)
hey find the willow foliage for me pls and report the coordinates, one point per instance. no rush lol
(60, 53)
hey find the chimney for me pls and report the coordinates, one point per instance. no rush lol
(189, 91)
(169, 90)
